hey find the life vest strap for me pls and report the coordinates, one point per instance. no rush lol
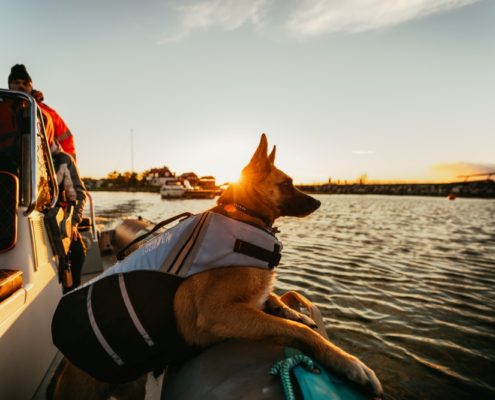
(123, 253)
(251, 250)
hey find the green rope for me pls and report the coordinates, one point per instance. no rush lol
(283, 368)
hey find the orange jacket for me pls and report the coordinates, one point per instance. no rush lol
(61, 130)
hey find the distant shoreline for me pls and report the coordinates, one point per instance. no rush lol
(476, 189)
(145, 189)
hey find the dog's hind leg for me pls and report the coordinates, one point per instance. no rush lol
(72, 383)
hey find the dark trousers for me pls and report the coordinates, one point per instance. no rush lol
(77, 254)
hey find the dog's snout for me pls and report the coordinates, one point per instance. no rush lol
(315, 204)
(299, 206)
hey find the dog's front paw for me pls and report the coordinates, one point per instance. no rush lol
(356, 371)
(293, 315)
(289, 313)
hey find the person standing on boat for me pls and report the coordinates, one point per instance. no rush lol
(72, 193)
(20, 80)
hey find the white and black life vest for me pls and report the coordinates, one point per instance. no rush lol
(121, 325)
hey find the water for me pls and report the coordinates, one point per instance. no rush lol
(407, 284)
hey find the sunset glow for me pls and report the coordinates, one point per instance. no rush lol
(341, 89)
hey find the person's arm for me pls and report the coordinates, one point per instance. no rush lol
(80, 193)
(64, 137)
(62, 133)
(38, 95)
(73, 186)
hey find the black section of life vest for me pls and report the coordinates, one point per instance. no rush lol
(260, 253)
(152, 294)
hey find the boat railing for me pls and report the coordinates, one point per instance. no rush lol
(92, 216)
(28, 163)
(32, 131)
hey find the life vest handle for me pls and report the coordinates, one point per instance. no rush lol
(122, 253)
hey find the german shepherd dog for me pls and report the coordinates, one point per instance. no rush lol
(230, 302)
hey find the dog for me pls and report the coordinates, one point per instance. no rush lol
(231, 302)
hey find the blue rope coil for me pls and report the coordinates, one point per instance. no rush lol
(283, 368)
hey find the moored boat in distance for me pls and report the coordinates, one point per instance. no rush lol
(202, 191)
(178, 188)
(197, 193)
(172, 188)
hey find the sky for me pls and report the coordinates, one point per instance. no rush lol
(395, 90)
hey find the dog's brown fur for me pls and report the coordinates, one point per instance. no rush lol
(228, 302)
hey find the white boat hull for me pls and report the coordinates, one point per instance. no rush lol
(25, 317)
(172, 189)
(172, 194)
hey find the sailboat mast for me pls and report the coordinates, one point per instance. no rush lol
(132, 150)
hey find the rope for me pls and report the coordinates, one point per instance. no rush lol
(283, 368)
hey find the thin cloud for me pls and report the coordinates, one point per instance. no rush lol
(460, 169)
(226, 15)
(306, 18)
(317, 17)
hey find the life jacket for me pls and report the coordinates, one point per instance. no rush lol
(60, 130)
(121, 324)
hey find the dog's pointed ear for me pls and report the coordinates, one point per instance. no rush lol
(259, 163)
(262, 150)
(271, 157)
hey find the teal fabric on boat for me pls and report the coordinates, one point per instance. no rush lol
(322, 385)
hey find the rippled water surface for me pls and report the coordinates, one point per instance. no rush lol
(407, 284)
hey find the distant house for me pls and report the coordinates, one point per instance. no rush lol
(207, 182)
(191, 177)
(157, 176)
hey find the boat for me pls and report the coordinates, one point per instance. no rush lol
(31, 236)
(172, 188)
(199, 192)
(30, 277)
(205, 189)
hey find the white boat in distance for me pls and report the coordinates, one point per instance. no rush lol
(172, 189)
